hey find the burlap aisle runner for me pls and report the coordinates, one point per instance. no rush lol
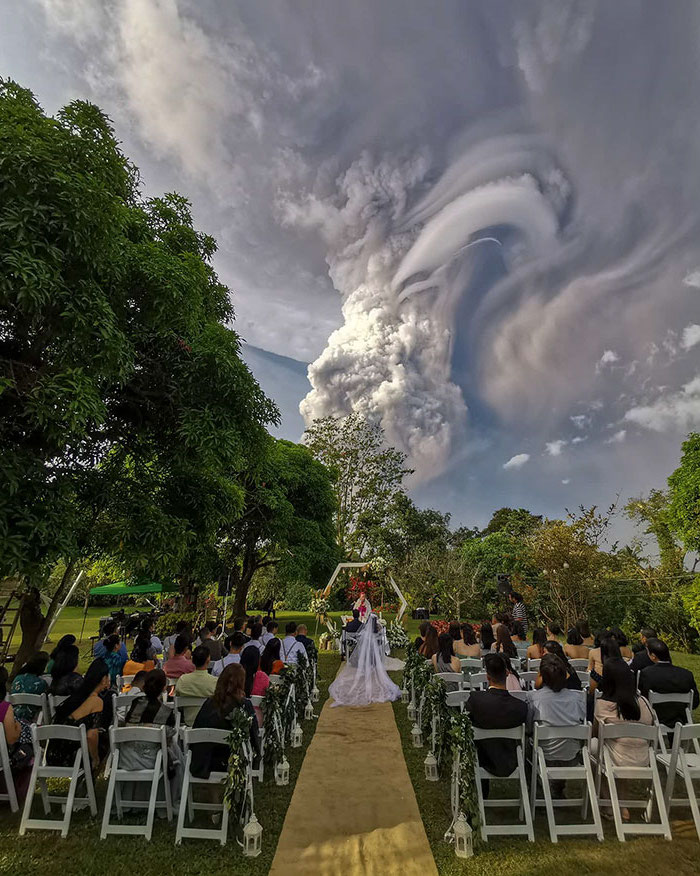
(353, 810)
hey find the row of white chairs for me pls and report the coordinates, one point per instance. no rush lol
(478, 680)
(476, 664)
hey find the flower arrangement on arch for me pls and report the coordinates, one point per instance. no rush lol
(358, 586)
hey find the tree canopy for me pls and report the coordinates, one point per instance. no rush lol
(684, 494)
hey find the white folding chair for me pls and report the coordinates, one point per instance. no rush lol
(10, 793)
(649, 773)
(546, 773)
(53, 702)
(454, 678)
(679, 699)
(187, 702)
(120, 775)
(584, 677)
(529, 678)
(579, 664)
(477, 680)
(457, 699)
(188, 806)
(515, 664)
(533, 665)
(41, 771)
(121, 703)
(684, 763)
(471, 664)
(38, 702)
(522, 801)
(258, 773)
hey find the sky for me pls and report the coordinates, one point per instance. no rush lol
(475, 223)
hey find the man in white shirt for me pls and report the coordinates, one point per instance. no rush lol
(235, 646)
(255, 638)
(291, 649)
(270, 632)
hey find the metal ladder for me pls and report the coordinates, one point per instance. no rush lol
(9, 616)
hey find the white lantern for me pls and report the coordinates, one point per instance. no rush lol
(464, 844)
(417, 736)
(412, 713)
(315, 694)
(431, 768)
(282, 772)
(308, 711)
(252, 838)
(405, 695)
(297, 736)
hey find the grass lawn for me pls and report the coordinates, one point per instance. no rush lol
(82, 852)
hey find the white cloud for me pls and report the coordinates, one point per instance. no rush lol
(692, 279)
(617, 438)
(676, 410)
(566, 481)
(578, 439)
(691, 336)
(580, 421)
(517, 461)
(554, 448)
(609, 357)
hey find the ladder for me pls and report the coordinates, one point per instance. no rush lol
(9, 616)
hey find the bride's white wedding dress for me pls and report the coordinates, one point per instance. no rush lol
(364, 679)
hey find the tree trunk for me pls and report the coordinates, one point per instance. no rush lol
(33, 623)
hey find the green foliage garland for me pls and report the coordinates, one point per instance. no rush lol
(460, 738)
(397, 636)
(273, 710)
(237, 772)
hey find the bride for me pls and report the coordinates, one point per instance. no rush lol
(364, 679)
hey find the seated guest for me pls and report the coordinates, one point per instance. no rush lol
(444, 660)
(18, 738)
(84, 706)
(147, 627)
(234, 644)
(556, 706)
(239, 625)
(574, 648)
(536, 650)
(486, 636)
(29, 681)
(270, 633)
(518, 634)
(256, 681)
(499, 618)
(64, 678)
(255, 634)
(422, 630)
(595, 661)
(430, 644)
(181, 663)
(467, 646)
(665, 678)
(149, 710)
(303, 637)
(213, 646)
(504, 643)
(291, 649)
(140, 659)
(608, 650)
(135, 689)
(621, 640)
(181, 627)
(111, 628)
(553, 631)
(196, 684)
(455, 630)
(216, 714)
(63, 643)
(112, 656)
(496, 709)
(585, 632)
(573, 682)
(641, 657)
(270, 662)
(356, 624)
(513, 682)
(618, 704)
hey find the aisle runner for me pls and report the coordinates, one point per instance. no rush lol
(353, 811)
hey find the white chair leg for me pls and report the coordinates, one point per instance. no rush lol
(109, 799)
(547, 791)
(614, 799)
(692, 799)
(524, 796)
(480, 798)
(45, 801)
(658, 793)
(155, 781)
(184, 802)
(533, 784)
(70, 799)
(90, 787)
(591, 794)
(26, 811)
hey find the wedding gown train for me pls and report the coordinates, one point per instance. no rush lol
(364, 679)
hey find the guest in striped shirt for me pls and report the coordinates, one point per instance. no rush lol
(519, 612)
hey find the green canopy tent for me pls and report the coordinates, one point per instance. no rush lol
(124, 588)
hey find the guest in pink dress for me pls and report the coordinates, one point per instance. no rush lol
(256, 681)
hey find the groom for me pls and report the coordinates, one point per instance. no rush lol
(355, 624)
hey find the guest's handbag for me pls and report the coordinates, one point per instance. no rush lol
(22, 752)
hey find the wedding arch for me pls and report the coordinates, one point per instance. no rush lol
(403, 605)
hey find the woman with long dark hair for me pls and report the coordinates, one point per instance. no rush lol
(420, 638)
(574, 647)
(467, 646)
(216, 713)
(430, 643)
(486, 636)
(573, 682)
(444, 660)
(63, 643)
(141, 659)
(64, 678)
(585, 632)
(256, 681)
(504, 643)
(536, 650)
(270, 662)
(83, 706)
(622, 641)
